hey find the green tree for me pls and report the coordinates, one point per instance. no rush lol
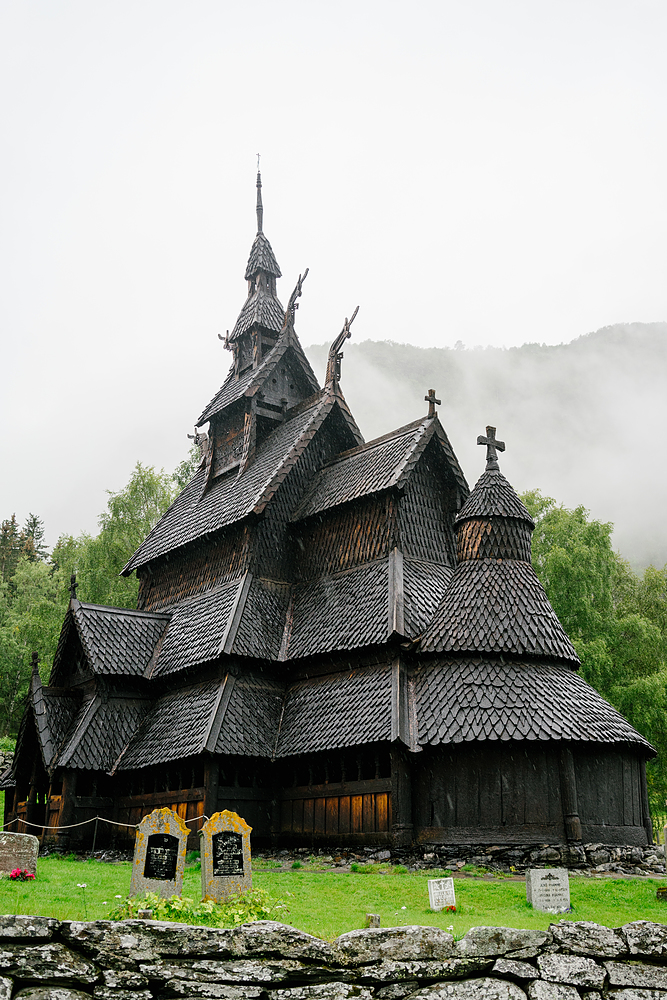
(34, 545)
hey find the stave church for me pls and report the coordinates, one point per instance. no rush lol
(334, 638)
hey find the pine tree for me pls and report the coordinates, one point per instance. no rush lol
(11, 544)
(34, 547)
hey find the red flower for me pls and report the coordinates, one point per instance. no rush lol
(21, 875)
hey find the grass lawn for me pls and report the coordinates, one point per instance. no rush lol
(327, 903)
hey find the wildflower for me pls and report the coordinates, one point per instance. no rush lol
(21, 875)
(82, 885)
(451, 927)
(404, 907)
(118, 896)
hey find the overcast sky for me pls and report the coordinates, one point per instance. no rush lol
(484, 172)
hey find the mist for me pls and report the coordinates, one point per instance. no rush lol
(582, 422)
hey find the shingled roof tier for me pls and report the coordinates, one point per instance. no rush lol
(350, 707)
(497, 607)
(260, 309)
(54, 712)
(197, 630)
(262, 258)
(492, 699)
(197, 512)
(493, 496)
(251, 720)
(101, 730)
(375, 466)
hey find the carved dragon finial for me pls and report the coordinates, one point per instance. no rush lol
(335, 353)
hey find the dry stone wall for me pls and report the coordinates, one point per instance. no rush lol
(45, 959)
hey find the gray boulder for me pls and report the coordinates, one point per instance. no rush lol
(46, 961)
(540, 990)
(646, 938)
(636, 974)
(514, 970)
(587, 938)
(574, 969)
(326, 991)
(471, 989)
(399, 944)
(34, 928)
(500, 940)
(50, 993)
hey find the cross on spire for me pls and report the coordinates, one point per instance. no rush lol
(432, 402)
(491, 446)
(35, 662)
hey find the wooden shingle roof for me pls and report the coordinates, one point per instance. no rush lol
(485, 698)
(262, 258)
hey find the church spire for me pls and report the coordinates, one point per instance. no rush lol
(260, 207)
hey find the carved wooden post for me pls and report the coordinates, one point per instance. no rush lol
(568, 794)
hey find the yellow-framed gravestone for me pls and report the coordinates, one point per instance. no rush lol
(225, 856)
(159, 854)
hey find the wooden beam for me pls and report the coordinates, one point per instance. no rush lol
(396, 598)
(568, 794)
(401, 796)
(646, 812)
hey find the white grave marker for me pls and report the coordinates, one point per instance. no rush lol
(548, 889)
(441, 893)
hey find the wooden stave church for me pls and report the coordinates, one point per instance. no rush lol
(333, 638)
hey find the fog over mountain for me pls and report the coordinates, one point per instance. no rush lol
(585, 422)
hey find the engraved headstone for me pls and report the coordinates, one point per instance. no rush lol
(548, 889)
(18, 850)
(159, 854)
(441, 893)
(225, 856)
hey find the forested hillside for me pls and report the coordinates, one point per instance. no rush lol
(584, 421)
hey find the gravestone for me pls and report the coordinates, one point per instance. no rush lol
(225, 856)
(548, 889)
(441, 893)
(159, 854)
(18, 850)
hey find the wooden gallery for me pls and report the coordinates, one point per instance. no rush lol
(336, 639)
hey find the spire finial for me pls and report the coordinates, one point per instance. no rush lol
(432, 402)
(491, 446)
(35, 662)
(260, 208)
(72, 586)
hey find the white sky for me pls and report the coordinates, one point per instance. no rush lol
(486, 172)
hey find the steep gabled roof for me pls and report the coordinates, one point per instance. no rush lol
(118, 640)
(195, 513)
(376, 466)
(496, 606)
(54, 711)
(490, 699)
(250, 382)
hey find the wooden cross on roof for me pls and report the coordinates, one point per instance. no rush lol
(432, 402)
(491, 446)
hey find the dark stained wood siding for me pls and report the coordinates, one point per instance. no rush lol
(477, 794)
(194, 569)
(609, 795)
(346, 536)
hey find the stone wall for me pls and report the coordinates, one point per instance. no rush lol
(45, 959)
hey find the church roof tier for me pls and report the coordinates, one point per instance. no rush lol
(490, 699)
(262, 308)
(494, 606)
(251, 380)
(336, 710)
(262, 258)
(198, 511)
(378, 465)
(54, 710)
(493, 496)
(115, 640)
(101, 730)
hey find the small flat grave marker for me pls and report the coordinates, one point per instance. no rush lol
(441, 893)
(18, 850)
(548, 889)
(159, 854)
(225, 856)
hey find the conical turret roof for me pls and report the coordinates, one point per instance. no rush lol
(495, 602)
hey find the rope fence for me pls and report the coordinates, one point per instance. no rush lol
(85, 822)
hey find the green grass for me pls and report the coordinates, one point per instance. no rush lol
(329, 903)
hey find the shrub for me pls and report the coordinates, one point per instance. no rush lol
(240, 908)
